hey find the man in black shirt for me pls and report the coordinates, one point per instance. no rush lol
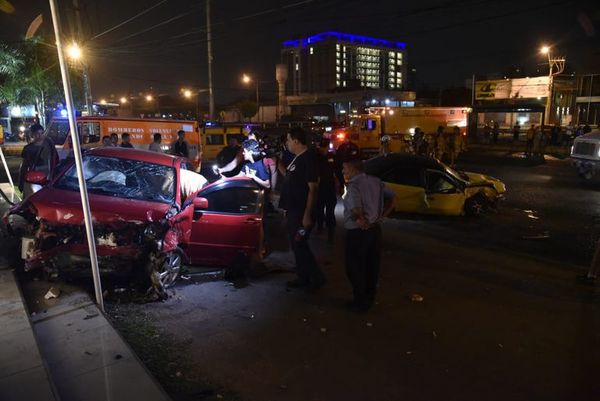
(125, 140)
(180, 147)
(298, 197)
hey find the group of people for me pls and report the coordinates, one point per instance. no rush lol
(443, 146)
(179, 148)
(308, 177)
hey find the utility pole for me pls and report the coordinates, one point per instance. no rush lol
(87, 88)
(211, 100)
(85, 204)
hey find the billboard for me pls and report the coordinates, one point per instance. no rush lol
(518, 88)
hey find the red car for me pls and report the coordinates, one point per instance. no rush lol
(143, 223)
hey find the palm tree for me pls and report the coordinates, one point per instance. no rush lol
(11, 61)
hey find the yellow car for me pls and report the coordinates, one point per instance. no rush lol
(426, 186)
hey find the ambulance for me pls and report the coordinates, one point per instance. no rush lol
(399, 123)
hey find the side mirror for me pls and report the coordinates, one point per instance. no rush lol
(36, 177)
(200, 203)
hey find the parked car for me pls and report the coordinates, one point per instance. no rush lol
(585, 154)
(424, 185)
(149, 218)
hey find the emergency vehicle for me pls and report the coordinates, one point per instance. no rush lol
(399, 123)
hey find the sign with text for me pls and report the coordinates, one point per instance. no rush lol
(518, 88)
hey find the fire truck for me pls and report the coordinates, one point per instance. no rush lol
(399, 123)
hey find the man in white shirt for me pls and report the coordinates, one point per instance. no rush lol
(155, 146)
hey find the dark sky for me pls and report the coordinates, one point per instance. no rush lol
(447, 41)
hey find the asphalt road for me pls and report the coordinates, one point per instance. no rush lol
(502, 316)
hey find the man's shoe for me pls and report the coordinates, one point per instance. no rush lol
(297, 283)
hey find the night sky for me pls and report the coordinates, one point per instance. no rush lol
(447, 41)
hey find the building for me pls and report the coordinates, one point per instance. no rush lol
(334, 61)
(587, 99)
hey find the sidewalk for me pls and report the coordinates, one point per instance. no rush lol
(23, 373)
(67, 350)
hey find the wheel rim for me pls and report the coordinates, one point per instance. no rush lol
(170, 269)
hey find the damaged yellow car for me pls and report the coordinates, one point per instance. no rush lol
(426, 186)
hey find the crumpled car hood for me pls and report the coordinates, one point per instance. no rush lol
(477, 179)
(64, 207)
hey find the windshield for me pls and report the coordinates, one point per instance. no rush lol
(123, 178)
(453, 173)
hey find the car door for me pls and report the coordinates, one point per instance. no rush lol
(407, 185)
(443, 195)
(231, 223)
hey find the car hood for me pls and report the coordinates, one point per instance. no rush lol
(64, 207)
(478, 179)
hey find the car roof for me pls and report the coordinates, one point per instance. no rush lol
(381, 164)
(134, 154)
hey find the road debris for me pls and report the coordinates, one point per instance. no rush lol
(500, 345)
(323, 330)
(416, 298)
(369, 324)
(434, 334)
(53, 292)
(90, 316)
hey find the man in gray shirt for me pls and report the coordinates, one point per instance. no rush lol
(155, 145)
(366, 203)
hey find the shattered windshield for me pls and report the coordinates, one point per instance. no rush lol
(123, 178)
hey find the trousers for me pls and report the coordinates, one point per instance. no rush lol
(363, 258)
(306, 264)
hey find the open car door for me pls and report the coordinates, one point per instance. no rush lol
(227, 221)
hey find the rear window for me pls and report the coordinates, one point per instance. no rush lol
(215, 139)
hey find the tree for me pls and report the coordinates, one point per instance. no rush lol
(33, 77)
(247, 108)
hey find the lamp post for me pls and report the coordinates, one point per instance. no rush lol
(246, 80)
(556, 65)
(188, 94)
(75, 53)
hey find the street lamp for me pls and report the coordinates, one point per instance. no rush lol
(188, 94)
(149, 98)
(556, 65)
(246, 79)
(75, 53)
(123, 100)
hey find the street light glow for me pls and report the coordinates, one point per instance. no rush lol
(545, 50)
(103, 101)
(123, 100)
(74, 51)
(246, 79)
(149, 98)
(187, 93)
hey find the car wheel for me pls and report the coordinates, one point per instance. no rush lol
(169, 271)
(475, 205)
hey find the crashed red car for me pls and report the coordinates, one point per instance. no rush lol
(149, 217)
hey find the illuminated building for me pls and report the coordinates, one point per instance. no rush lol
(334, 61)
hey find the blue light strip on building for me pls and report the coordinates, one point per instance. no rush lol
(344, 37)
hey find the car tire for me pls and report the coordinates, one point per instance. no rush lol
(164, 275)
(476, 205)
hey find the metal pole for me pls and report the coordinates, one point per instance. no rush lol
(257, 102)
(211, 100)
(87, 215)
(8, 173)
(587, 118)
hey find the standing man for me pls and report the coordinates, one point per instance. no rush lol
(180, 147)
(326, 198)
(346, 151)
(125, 140)
(495, 132)
(531, 133)
(516, 132)
(114, 139)
(298, 197)
(155, 145)
(366, 202)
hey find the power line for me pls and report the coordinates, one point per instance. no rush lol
(129, 19)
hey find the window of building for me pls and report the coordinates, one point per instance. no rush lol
(392, 67)
(337, 76)
(337, 69)
(337, 54)
(337, 47)
(392, 54)
(399, 74)
(343, 83)
(297, 66)
(392, 61)
(337, 61)
(337, 83)
(392, 86)
(344, 70)
(399, 81)
(312, 50)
